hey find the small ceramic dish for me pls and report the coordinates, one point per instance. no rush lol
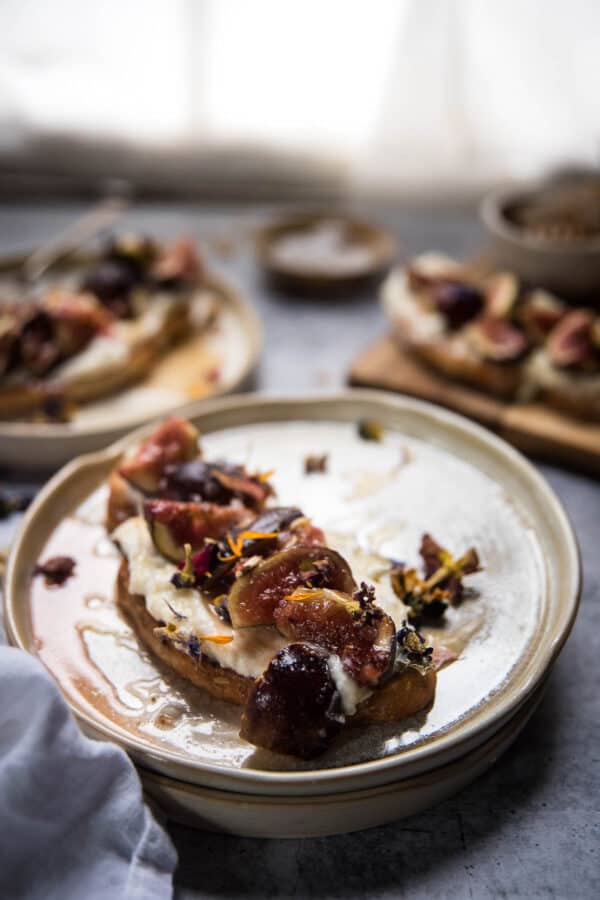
(570, 268)
(324, 252)
(433, 471)
(214, 359)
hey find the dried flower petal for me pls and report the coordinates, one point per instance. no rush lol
(412, 649)
(56, 570)
(314, 463)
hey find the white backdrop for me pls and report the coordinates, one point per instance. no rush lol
(416, 92)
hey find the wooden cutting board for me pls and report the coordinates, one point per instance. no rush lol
(531, 427)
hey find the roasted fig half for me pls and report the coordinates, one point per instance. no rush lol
(39, 349)
(178, 263)
(294, 707)
(497, 340)
(291, 526)
(539, 313)
(174, 441)
(9, 341)
(458, 302)
(254, 596)
(570, 342)
(363, 637)
(112, 281)
(502, 292)
(173, 524)
(217, 482)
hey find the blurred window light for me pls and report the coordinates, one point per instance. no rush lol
(400, 91)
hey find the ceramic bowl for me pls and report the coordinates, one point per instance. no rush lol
(570, 269)
(330, 253)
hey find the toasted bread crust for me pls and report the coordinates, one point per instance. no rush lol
(122, 501)
(403, 695)
(447, 356)
(573, 402)
(20, 399)
(224, 684)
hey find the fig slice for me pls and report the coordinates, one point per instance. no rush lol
(9, 340)
(497, 340)
(217, 482)
(458, 302)
(294, 707)
(570, 342)
(173, 441)
(539, 313)
(276, 518)
(363, 636)
(38, 347)
(178, 262)
(112, 281)
(174, 523)
(255, 595)
(502, 291)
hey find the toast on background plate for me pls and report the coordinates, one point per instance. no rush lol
(490, 331)
(73, 344)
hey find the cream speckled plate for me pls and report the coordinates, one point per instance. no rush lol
(434, 471)
(314, 816)
(213, 360)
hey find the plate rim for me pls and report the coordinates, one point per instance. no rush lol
(444, 780)
(383, 769)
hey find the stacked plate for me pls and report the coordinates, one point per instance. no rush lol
(432, 471)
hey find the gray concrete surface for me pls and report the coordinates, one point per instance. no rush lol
(530, 827)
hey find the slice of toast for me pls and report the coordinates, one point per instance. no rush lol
(20, 398)
(404, 694)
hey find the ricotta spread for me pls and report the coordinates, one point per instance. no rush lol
(351, 692)
(409, 317)
(541, 373)
(251, 649)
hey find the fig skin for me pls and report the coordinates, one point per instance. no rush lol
(304, 533)
(364, 639)
(39, 350)
(502, 292)
(457, 302)
(255, 595)
(112, 281)
(173, 441)
(9, 344)
(217, 482)
(63, 326)
(177, 263)
(173, 523)
(292, 527)
(570, 341)
(539, 313)
(497, 340)
(294, 707)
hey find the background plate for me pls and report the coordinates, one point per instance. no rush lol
(214, 360)
(434, 471)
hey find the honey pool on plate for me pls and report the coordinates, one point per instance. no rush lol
(374, 502)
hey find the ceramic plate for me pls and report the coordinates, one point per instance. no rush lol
(212, 361)
(315, 816)
(433, 471)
